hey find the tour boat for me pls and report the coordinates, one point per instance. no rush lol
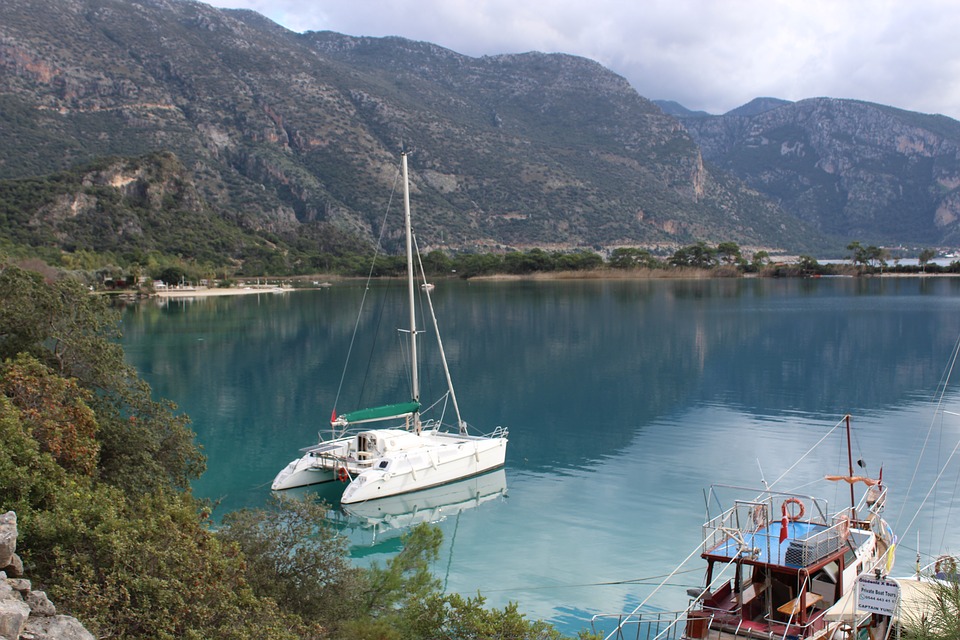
(779, 564)
(410, 454)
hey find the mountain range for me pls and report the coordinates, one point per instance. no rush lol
(125, 121)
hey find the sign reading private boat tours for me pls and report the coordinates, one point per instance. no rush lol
(878, 596)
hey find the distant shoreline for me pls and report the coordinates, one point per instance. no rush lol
(638, 274)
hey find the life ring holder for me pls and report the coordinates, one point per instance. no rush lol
(843, 527)
(759, 516)
(342, 474)
(786, 513)
(948, 564)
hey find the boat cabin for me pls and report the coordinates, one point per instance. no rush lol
(376, 443)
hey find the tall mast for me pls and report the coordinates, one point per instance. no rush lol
(410, 288)
(853, 499)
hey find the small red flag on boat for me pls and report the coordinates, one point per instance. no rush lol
(783, 528)
(333, 416)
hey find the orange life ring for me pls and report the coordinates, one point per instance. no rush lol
(786, 514)
(342, 474)
(843, 527)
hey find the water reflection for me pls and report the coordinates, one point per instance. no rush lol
(624, 399)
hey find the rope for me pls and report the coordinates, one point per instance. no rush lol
(608, 583)
(941, 390)
(636, 609)
(808, 452)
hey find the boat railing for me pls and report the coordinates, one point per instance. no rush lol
(743, 516)
(748, 525)
(873, 500)
(660, 625)
(804, 552)
(814, 509)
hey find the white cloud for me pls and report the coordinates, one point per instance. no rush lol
(706, 54)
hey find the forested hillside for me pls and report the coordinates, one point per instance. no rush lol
(296, 136)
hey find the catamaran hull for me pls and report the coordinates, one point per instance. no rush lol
(416, 470)
(317, 465)
(302, 472)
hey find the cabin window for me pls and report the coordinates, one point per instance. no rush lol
(383, 464)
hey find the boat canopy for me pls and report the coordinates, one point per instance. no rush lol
(385, 412)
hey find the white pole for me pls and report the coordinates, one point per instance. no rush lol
(410, 289)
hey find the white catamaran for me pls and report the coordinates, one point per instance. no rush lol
(410, 455)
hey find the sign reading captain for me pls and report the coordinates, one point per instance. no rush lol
(878, 596)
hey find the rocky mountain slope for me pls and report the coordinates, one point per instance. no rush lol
(847, 168)
(286, 133)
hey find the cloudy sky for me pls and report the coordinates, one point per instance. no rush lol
(712, 55)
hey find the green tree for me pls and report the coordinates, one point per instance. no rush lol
(632, 258)
(577, 261)
(437, 263)
(535, 260)
(858, 254)
(760, 260)
(55, 411)
(870, 256)
(128, 568)
(699, 256)
(729, 253)
(296, 558)
(172, 276)
(144, 444)
(926, 256)
(808, 265)
(477, 264)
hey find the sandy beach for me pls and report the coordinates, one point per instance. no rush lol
(206, 292)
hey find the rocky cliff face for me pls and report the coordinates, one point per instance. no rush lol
(26, 614)
(285, 130)
(849, 168)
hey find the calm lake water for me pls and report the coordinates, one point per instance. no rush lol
(624, 400)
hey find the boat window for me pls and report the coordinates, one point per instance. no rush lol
(830, 572)
(383, 464)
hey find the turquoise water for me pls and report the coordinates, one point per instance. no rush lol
(624, 400)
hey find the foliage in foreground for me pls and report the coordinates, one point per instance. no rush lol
(297, 559)
(98, 474)
(938, 617)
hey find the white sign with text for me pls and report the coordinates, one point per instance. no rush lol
(878, 596)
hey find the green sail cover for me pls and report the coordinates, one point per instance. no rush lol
(381, 413)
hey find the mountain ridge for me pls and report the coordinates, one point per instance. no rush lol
(509, 151)
(848, 168)
(295, 137)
